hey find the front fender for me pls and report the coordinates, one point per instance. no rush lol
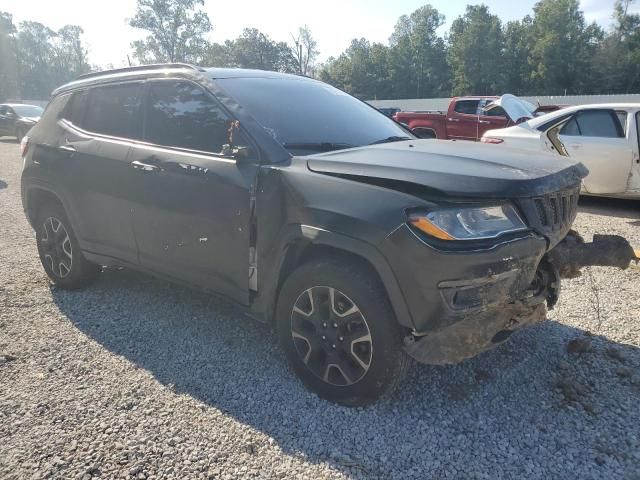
(297, 236)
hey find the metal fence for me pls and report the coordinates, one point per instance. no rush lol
(418, 104)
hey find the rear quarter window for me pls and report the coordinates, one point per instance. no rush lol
(74, 110)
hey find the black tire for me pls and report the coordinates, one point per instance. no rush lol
(59, 251)
(354, 286)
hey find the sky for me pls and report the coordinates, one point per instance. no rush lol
(333, 22)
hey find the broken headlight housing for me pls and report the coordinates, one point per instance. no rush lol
(469, 222)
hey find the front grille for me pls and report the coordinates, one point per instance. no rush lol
(551, 215)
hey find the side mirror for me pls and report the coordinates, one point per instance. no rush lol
(240, 154)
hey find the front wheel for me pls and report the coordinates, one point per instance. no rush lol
(339, 332)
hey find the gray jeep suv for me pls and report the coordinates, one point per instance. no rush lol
(362, 245)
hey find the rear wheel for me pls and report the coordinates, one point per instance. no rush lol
(339, 332)
(59, 251)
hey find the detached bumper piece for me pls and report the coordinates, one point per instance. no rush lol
(487, 317)
(477, 333)
(573, 254)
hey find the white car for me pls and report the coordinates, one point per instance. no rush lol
(605, 138)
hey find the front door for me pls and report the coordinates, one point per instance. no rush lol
(192, 218)
(598, 139)
(462, 122)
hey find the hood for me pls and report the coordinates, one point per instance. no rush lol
(453, 169)
(515, 108)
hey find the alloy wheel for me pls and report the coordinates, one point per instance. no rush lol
(56, 247)
(331, 336)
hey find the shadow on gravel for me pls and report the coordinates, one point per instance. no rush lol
(619, 207)
(8, 140)
(521, 406)
(3, 184)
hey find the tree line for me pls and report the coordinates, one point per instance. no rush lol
(35, 59)
(552, 52)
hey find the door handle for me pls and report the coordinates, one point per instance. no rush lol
(144, 167)
(484, 122)
(453, 119)
(68, 148)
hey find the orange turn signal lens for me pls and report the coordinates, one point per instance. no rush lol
(429, 228)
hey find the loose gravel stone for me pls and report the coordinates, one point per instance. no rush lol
(138, 378)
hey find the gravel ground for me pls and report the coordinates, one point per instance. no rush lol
(138, 378)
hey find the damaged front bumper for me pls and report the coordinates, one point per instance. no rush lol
(499, 303)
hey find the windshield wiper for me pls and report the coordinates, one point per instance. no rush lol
(390, 139)
(320, 146)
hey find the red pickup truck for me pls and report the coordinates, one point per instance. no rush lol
(469, 117)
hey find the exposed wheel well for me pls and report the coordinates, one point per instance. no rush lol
(302, 252)
(37, 199)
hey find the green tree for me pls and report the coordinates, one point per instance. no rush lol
(48, 59)
(515, 56)
(304, 51)
(8, 58)
(69, 54)
(35, 47)
(561, 55)
(177, 30)
(618, 60)
(362, 70)
(476, 43)
(254, 49)
(418, 56)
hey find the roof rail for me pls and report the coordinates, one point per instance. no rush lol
(155, 66)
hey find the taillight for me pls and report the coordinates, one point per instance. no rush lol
(493, 140)
(24, 146)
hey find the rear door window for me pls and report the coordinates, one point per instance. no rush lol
(594, 123)
(115, 110)
(468, 107)
(181, 114)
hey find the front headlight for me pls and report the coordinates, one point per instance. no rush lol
(469, 223)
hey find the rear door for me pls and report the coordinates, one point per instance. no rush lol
(100, 124)
(598, 139)
(462, 121)
(193, 211)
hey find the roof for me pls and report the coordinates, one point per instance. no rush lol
(542, 119)
(221, 73)
(160, 69)
(18, 105)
